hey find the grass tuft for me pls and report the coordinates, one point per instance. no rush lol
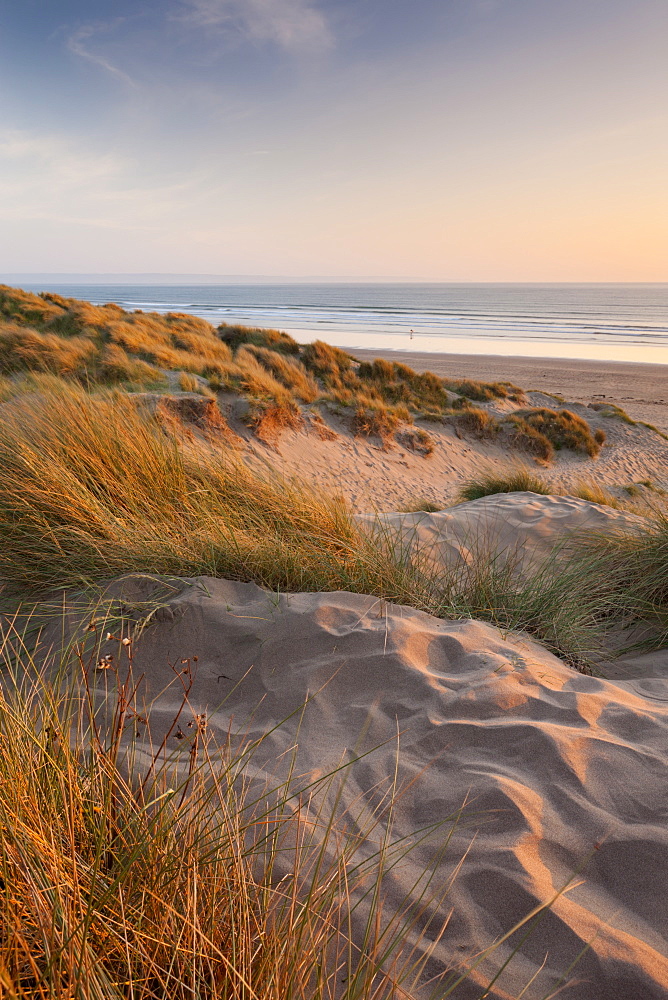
(268, 418)
(637, 564)
(517, 480)
(542, 431)
(485, 392)
(416, 439)
(611, 410)
(593, 492)
(273, 340)
(478, 423)
(288, 371)
(378, 421)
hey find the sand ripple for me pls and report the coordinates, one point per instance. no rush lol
(552, 763)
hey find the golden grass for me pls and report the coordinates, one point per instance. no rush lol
(274, 340)
(100, 488)
(559, 428)
(518, 479)
(20, 305)
(397, 383)
(105, 344)
(269, 418)
(188, 383)
(115, 365)
(256, 379)
(94, 486)
(289, 371)
(24, 349)
(484, 392)
(523, 436)
(162, 879)
(189, 417)
(378, 420)
(593, 492)
(326, 362)
(479, 423)
(69, 337)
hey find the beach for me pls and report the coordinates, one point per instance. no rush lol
(640, 389)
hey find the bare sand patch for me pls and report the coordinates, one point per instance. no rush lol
(558, 769)
(388, 476)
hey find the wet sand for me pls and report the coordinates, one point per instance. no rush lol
(641, 389)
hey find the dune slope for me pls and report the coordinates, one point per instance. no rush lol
(559, 769)
(522, 528)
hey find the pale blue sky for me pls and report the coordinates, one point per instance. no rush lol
(451, 140)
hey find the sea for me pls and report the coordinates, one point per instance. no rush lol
(606, 322)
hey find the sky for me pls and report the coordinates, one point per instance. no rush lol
(438, 140)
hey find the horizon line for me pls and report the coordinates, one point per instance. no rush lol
(126, 277)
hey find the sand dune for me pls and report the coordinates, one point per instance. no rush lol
(520, 527)
(551, 774)
(558, 768)
(372, 475)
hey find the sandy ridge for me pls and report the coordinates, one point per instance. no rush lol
(554, 763)
(373, 475)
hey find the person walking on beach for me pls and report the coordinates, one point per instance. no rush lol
(411, 334)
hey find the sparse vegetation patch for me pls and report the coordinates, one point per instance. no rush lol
(268, 418)
(106, 345)
(542, 431)
(519, 479)
(416, 439)
(479, 423)
(376, 421)
(516, 480)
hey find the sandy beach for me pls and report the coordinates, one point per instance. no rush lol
(640, 389)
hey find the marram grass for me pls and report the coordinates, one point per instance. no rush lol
(518, 478)
(106, 345)
(92, 487)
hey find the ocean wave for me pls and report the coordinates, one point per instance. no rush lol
(620, 316)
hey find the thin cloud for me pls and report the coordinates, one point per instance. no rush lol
(294, 25)
(76, 45)
(67, 166)
(45, 177)
(53, 178)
